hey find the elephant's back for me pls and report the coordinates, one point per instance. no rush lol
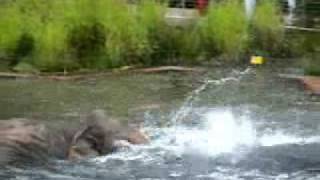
(23, 141)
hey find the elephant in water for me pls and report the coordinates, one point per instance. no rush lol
(25, 141)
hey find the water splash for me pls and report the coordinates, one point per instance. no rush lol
(187, 106)
(225, 132)
(222, 132)
(219, 130)
(278, 138)
(221, 137)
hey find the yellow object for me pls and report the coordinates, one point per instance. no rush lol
(257, 60)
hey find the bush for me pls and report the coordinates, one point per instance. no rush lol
(11, 28)
(150, 15)
(311, 64)
(50, 52)
(87, 42)
(57, 35)
(25, 46)
(267, 28)
(224, 30)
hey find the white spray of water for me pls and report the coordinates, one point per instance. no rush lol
(187, 106)
(223, 132)
(220, 131)
(278, 138)
(226, 133)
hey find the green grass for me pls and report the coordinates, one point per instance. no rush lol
(311, 64)
(54, 35)
(11, 27)
(225, 30)
(267, 29)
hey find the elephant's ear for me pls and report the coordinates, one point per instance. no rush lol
(78, 135)
(96, 136)
(91, 128)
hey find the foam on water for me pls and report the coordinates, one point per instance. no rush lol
(220, 131)
(223, 132)
(279, 138)
(216, 143)
(216, 132)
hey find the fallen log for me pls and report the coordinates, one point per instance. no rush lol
(9, 75)
(302, 29)
(168, 68)
(291, 76)
(71, 77)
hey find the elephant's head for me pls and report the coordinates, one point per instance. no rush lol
(99, 135)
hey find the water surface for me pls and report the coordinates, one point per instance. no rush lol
(229, 124)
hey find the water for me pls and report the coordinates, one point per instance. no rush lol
(230, 124)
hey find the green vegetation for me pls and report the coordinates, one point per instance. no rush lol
(267, 28)
(311, 64)
(225, 29)
(52, 35)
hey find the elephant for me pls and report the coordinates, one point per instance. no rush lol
(24, 141)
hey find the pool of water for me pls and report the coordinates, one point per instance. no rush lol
(230, 124)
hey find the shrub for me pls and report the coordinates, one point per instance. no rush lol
(51, 48)
(224, 30)
(87, 42)
(126, 39)
(56, 35)
(268, 31)
(11, 28)
(150, 16)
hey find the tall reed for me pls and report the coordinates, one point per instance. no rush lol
(224, 30)
(56, 35)
(267, 28)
